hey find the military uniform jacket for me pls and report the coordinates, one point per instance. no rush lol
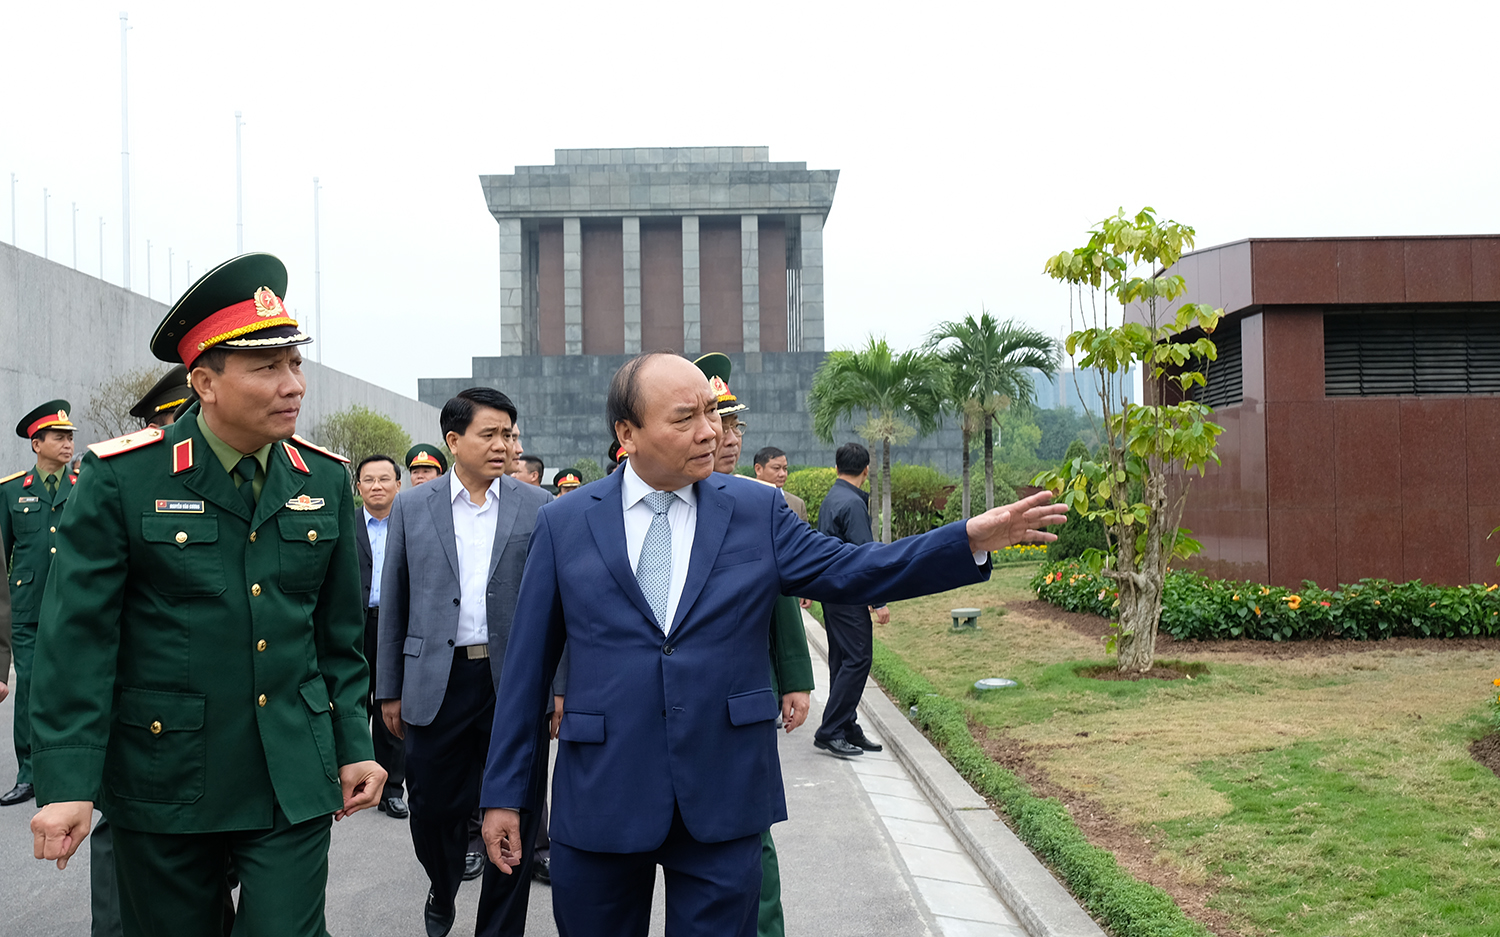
(28, 533)
(197, 666)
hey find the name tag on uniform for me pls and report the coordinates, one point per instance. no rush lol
(31, 500)
(179, 507)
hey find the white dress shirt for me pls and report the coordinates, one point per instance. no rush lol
(682, 516)
(376, 528)
(474, 536)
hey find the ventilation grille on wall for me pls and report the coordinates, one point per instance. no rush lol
(1226, 374)
(1387, 353)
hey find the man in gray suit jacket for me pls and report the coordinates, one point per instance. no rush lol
(455, 550)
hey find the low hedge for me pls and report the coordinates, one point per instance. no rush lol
(1195, 607)
(1126, 905)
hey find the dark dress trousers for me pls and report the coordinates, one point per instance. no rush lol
(448, 698)
(845, 515)
(390, 752)
(667, 750)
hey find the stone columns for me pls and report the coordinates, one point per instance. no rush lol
(812, 283)
(631, 240)
(691, 293)
(572, 287)
(512, 296)
(750, 280)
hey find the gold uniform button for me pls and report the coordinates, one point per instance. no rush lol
(54, 530)
(262, 700)
(312, 536)
(156, 728)
(330, 705)
(260, 645)
(54, 549)
(255, 589)
(252, 536)
(181, 536)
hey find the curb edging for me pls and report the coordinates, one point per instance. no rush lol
(1044, 906)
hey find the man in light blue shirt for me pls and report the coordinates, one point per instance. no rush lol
(378, 479)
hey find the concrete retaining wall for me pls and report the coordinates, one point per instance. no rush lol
(63, 332)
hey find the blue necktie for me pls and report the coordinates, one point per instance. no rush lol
(654, 568)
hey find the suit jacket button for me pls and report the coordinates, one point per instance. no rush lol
(455, 601)
(667, 650)
(262, 700)
(450, 642)
(255, 589)
(260, 645)
(156, 728)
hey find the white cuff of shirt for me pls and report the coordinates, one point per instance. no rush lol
(980, 556)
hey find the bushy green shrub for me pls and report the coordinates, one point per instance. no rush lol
(587, 470)
(1007, 479)
(1195, 607)
(811, 485)
(915, 489)
(1077, 535)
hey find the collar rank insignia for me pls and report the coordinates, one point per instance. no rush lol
(182, 456)
(296, 460)
(304, 503)
(135, 440)
(26, 483)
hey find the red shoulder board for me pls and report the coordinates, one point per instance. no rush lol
(135, 440)
(296, 458)
(317, 448)
(28, 481)
(182, 456)
(12, 477)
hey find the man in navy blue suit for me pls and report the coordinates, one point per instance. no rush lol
(667, 746)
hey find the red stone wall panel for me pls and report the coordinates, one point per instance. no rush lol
(1434, 523)
(1484, 260)
(1439, 270)
(1300, 492)
(772, 285)
(1294, 272)
(550, 332)
(661, 286)
(721, 309)
(1367, 475)
(1293, 343)
(1372, 271)
(603, 290)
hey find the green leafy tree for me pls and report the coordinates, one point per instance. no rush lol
(1136, 486)
(357, 431)
(988, 372)
(587, 470)
(900, 395)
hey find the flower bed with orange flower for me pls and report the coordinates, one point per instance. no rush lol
(1195, 607)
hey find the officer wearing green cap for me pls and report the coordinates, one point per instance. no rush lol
(199, 665)
(31, 507)
(158, 407)
(425, 463)
(791, 664)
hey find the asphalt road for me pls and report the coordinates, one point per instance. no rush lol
(841, 874)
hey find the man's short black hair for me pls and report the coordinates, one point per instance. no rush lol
(41, 434)
(534, 464)
(851, 459)
(360, 469)
(624, 400)
(764, 456)
(458, 412)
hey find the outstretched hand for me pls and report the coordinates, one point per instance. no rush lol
(1021, 522)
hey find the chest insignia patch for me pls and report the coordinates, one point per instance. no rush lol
(25, 500)
(170, 506)
(304, 503)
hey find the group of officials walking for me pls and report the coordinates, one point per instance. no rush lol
(198, 654)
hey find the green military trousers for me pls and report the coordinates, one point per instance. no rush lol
(23, 646)
(768, 920)
(174, 883)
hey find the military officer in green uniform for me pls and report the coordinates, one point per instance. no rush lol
(791, 663)
(158, 407)
(199, 664)
(425, 462)
(31, 507)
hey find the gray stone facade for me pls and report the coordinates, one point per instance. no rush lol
(561, 404)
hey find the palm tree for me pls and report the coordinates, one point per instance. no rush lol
(987, 364)
(901, 395)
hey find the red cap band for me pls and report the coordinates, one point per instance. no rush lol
(58, 419)
(261, 312)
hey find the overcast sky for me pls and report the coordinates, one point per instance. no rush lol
(974, 140)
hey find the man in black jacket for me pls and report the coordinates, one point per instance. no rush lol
(378, 479)
(845, 514)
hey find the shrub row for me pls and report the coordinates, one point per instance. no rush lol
(1127, 906)
(1195, 607)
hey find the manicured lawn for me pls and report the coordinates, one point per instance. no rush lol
(1313, 795)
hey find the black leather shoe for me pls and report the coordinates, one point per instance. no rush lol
(861, 741)
(473, 865)
(439, 923)
(395, 807)
(838, 747)
(541, 870)
(16, 795)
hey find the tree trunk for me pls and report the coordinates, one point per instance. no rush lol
(885, 492)
(874, 496)
(1140, 583)
(968, 441)
(989, 462)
